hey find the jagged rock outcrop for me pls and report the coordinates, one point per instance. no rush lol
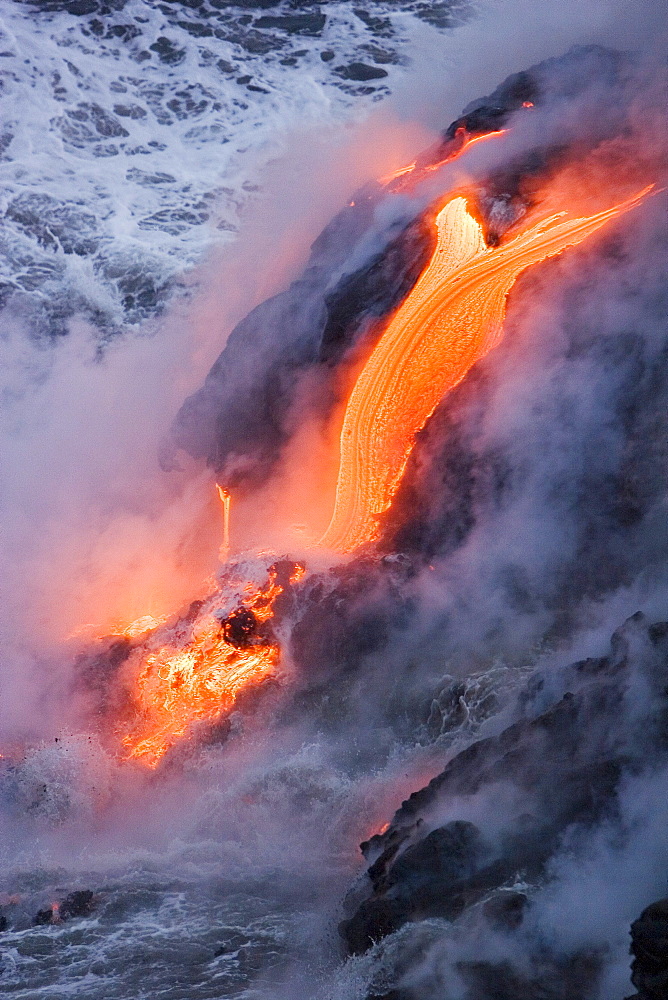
(649, 946)
(552, 772)
(80, 903)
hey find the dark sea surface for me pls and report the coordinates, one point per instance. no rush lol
(133, 132)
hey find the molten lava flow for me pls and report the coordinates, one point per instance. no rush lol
(131, 630)
(226, 500)
(198, 674)
(147, 623)
(452, 318)
(180, 686)
(400, 172)
(408, 177)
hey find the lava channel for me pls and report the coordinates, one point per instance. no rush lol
(453, 317)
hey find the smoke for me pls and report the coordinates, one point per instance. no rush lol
(95, 534)
(530, 524)
(507, 36)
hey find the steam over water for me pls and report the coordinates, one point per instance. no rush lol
(165, 168)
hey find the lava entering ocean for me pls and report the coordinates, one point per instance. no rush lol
(194, 672)
(452, 318)
(469, 453)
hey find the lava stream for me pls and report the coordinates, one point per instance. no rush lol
(226, 501)
(194, 670)
(406, 178)
(452, 318)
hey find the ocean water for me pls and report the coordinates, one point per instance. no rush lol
(223, 873)
(133, 132)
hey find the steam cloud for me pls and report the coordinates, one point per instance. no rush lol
(531, 523)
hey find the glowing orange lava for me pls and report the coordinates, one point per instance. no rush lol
(397, 173)
(192, 670)
(409, 176)
(180, 686)
(138, 627)
(199, 672)
(130, 630)
(452, 318)
(226, 500)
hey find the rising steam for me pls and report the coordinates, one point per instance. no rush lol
(206, 709)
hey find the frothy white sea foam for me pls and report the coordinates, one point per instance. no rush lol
(132, 139)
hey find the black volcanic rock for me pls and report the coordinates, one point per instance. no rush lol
(565, 979)
(649, 946)
(346, 616)
(80, 903)
(590, 738)
(237, 419)
(240, 628)
(505, 910)
(375, 290)
(45, 916)
(565, 76)
(296, 24)
(360, 71)
(424, 880)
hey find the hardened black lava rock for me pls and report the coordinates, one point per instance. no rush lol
(590, 736)
(78, 904)
(45, 916)
(505, 910)
(237, 420)
(564, 76)
(426, 880)
(649, 946)
(240, 628)
(552, 979)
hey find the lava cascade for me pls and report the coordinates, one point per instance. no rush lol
(193, 672)
(198, 673)
(226, 501)
(452, 318)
